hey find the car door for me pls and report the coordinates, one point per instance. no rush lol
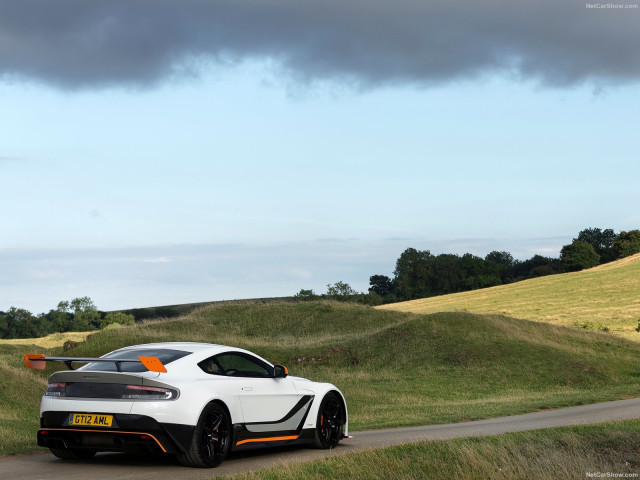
(264, 399)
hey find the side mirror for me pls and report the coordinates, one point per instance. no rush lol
(280, 371)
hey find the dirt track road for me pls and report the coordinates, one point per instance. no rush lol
(112, 466)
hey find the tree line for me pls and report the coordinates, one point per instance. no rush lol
(77, 315)
(420, 274)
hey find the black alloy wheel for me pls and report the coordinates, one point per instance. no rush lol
(330, 422)
(211, 439)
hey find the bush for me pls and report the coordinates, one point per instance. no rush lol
(341, 291)
(627, 243)
(592, 326)
(578, 256)
(119, 318)
(305, 295)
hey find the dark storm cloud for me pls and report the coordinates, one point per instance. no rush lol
(86, 44)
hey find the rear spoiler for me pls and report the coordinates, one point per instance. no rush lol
(37, 361)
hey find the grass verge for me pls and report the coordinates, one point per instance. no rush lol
(603, 451)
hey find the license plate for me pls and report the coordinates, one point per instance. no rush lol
(90, 420)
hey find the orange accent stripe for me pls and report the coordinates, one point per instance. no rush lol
(269, 439)
(34, 360)
(105, 431)
(153, 364)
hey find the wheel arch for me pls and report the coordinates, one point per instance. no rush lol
(205, 451)
(344, 408)
(223, 405)
(235, 416)
(312, 416)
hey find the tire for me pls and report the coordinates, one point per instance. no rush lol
(72, 454)
(330, 422)
(211, 439)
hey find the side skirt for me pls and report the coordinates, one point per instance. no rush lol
(285, 431)
(307, 435)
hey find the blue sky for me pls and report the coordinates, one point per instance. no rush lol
(255, 174)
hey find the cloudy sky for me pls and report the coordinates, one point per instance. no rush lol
(172, 151)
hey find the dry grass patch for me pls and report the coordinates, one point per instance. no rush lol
(607, 296)
(50, 341)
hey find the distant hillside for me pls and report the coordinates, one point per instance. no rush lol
(606, 297)
(395, 368)
(173, 311)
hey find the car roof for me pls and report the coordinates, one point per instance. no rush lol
(193, 347)
(199, 350)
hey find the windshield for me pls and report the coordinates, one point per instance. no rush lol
(165, 355)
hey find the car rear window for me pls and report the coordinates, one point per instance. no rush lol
(165, 355)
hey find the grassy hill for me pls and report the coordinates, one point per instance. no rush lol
(604, 297)
(395, 368)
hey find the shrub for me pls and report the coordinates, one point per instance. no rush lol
(305, 295)
(117, 318)
(627, 243)
(578, 256)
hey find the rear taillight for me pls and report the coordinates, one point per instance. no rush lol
(56, 390)
(136, 392)
(109, 390)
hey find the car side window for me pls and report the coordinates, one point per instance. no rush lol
(236, 364)
(211, 366)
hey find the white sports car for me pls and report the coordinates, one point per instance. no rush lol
(197, 401)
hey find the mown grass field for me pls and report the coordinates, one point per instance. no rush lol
(562, 453)
(50, 341)
(395, 369)
(607, 296)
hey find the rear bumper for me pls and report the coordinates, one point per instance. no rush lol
(130, 433)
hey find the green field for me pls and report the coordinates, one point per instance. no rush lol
(395, 368)
(566, 453)
(604, 297)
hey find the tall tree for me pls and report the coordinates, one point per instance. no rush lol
(578, 256)
(381, 284)
(479, 273)
(601, 240)
(627, 243)
(536, 266)
(448, 274)
(504, 260)
(85, 314)
(20, 323)
(414, 276)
